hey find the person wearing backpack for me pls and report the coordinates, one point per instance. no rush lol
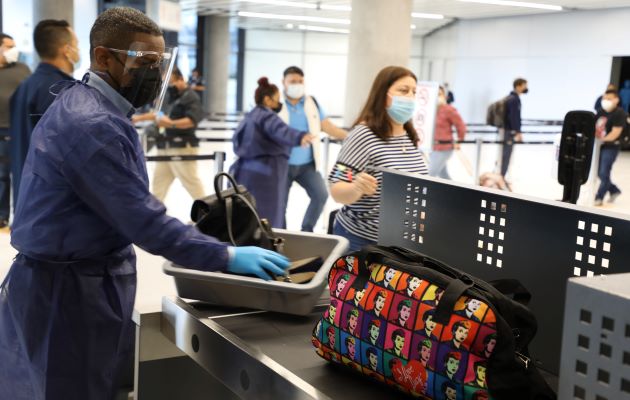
(303, 112)
(511, 131)
(610, 124)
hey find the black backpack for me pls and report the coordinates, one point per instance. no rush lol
(496, 113)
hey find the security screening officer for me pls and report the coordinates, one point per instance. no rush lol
(66, 303)
(184, 111)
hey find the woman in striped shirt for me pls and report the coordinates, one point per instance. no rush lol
(383, 136)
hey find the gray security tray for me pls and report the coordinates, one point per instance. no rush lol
(242, 291)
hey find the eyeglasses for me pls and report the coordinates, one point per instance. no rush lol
(159, 57)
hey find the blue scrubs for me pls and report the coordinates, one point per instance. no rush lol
(28, 103)
(263, 143)
(66, 304)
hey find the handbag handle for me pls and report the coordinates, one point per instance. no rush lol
(228, 216)
(217, 184)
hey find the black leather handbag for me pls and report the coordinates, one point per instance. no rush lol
(230, 215)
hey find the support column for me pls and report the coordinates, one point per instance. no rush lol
(380, 35)
(58, 9)
(216, 62)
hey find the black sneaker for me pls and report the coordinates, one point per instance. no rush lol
(613, 197)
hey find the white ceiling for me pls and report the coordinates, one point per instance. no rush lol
(451, 9)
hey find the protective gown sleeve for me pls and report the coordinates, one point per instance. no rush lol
(112, 182)
(276, 129)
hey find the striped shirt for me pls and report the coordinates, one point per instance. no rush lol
(363, 151)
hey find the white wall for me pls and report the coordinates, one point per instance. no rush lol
(566, 58)
(322, 56)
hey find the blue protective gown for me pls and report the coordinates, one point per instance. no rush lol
(28, 103)
(263, 143)
(66, 304)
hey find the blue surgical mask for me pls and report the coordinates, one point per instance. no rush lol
(402, 109)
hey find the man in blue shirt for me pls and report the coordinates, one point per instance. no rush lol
(58, 49)
(512, 126)
(303, 113)
(66, 303)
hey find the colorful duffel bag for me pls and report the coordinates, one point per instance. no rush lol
(428, 329)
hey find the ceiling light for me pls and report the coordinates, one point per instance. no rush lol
(427, 16)
(303, 18)
(297, 4)
(322, 29)
(413, 26)
(516, 4)
(289, 26)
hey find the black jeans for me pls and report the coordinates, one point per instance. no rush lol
(508, 145)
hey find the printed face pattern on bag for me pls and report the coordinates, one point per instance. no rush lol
(385, 330)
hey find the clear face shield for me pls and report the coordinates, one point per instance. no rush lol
(147, 73)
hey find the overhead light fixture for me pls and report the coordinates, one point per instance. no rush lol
(413, 26)
(524, 4)
(289, 26)
(322, 29)
(303, 18)
(297, 4)
(427, 16)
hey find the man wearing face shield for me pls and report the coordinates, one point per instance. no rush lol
(12, 73)
(58, 50)
(66, 303)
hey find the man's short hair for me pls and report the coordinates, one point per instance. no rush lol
(117, 26)
(333, 303)
(349, 340)
(4, 36)
(293, 70)
(518, 82)
(50, 35)
(177, 73)
(613, 92)
(427, 314)
(354, 312)
(371, 350)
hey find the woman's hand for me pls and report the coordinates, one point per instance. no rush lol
(308, 139)
(365, 184)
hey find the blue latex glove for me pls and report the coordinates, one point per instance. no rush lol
(252, 260)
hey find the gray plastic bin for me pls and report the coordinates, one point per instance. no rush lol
(241, 291)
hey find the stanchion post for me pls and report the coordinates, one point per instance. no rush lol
(144, 139)
(478, 144)
(326, 154)
(219, 161)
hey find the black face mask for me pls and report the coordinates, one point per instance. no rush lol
(173, 93)
(526, 91)
(278, 108)
(144, 86)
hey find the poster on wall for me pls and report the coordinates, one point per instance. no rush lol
(426, 109)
